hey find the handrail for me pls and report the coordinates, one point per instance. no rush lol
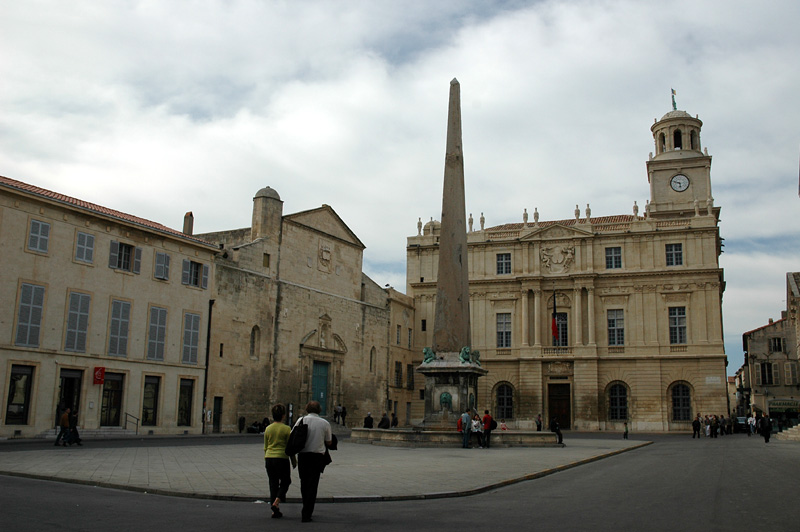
(128, 417)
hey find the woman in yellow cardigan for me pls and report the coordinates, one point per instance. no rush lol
(275, 460)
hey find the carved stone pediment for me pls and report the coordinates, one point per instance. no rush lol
(555, 232)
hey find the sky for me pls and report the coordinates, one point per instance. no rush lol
(158, 108)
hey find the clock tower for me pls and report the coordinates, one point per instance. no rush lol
(680, 172)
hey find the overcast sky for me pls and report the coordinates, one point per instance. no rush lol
(159, 108)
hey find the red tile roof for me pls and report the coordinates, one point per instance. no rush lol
(6, 182)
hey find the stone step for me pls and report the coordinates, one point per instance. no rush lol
(792, 434)
(103, 432)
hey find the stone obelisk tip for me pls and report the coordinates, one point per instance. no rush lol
(454, 82)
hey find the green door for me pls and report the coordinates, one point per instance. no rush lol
(319, 385)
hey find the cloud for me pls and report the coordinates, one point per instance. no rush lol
(159, 108)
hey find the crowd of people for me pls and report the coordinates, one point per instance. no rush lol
(713, 425)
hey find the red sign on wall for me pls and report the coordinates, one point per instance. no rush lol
(99, 375)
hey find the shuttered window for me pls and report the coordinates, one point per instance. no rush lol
(157, 333)
(29, 317)
(84, 248)
(191, 337)
(194, 274)
(162, 266)
(38, 236)
(125, 257)
(120, 322)
(77, 322)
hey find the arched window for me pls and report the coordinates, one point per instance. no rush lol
(694, 140)
(618, 402)
(681, 403)
(505, 402)
(677, 139)
(662, 143)
(255, 341)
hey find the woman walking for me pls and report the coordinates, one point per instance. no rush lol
(275, 460)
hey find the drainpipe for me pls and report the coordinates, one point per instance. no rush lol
(205, 372)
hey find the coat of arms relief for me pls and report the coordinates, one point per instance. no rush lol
(557, 258)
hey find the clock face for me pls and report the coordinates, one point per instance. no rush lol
(679, 183)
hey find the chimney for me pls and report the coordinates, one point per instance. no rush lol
(188, 223)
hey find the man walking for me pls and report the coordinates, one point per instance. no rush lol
(311, 458)
(63, 423)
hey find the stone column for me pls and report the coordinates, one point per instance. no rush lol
(524, 300)
(576, 305)
(590, 295)
(537, 318)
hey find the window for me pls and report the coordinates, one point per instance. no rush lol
(38, 236)
(504, 330)
(776, 345)
(616, 327)
(124, 257)
(674, 254)
(158, 333)
(29, 318)
(111, 403)
(19, 395)
(195, 274)
(118, 333)
(409, 338)
(618, 402)
(503, 263)
(424, 325)
(677, 325)
(372, 360)
(613, 258)
(681, 403)
(398, 374)
(677, 139)
(410, 376)
(191, 337)
(505, 402)
(561, 326)
(162, 266)
(150, 400)
(398, 334)
(767, 374)
(77, 322)
(255, 341)
(185, 402)
(790, 368)
(84, 248)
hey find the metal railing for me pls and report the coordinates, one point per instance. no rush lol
(130, 418)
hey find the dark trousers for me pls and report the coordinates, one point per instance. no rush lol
(695, 431)
(63, 435)
(465, 438)
(487, 434)
(309, 466)
(279, 472)
(560, 437)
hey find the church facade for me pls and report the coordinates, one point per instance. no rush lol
(598, 321)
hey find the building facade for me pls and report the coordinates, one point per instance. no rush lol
(768, 382)
(104, 313)
(597, 321)
(296, 319)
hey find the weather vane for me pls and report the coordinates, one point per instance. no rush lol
(674, 105)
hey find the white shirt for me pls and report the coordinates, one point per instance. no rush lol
(319, 431)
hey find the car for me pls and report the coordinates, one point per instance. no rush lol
(740, 425)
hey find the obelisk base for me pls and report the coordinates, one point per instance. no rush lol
(451, 387)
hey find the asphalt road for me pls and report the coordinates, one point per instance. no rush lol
(676, 484)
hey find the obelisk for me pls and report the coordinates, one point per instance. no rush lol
(451, 330)
(450, 366)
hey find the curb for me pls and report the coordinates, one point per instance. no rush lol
(341, 499)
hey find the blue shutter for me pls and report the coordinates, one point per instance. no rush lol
(205, 276)
(166, 266)
(113, 256)
(186, 275)
(137, 261)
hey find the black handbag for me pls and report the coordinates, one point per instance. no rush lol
(297, 439)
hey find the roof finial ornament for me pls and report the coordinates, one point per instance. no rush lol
(525, 218)
(674, 105)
